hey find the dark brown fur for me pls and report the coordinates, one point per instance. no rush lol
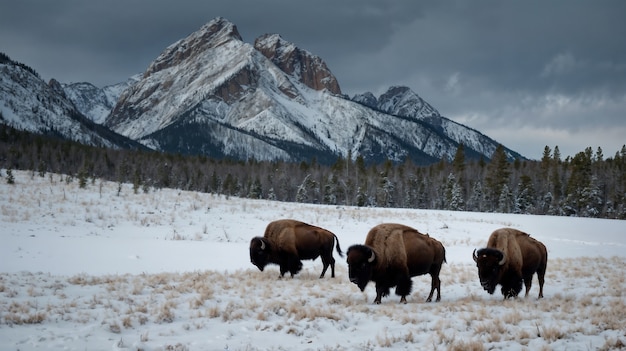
(286, 242)
(510, 258)
(400, 252)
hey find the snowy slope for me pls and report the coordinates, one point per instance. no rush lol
(402, 101)
(169, 270)
(28, 103)
(96, 103)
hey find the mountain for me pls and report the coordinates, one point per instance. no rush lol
(214, 94)
(401, 101)
(28, 103)
(96, 103)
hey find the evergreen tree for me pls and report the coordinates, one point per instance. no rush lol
(82, 178)
(476, 202)
(592, 197)
(330, 190)
(271, 195)
(361, 197)
(546, 205)
(215, 183)
(505, 200)
(453, 194)
(555, 180)
(546, 162)
(498, 173)
(10, 176)
(525, 199)
(458, 163)
(386, 187)
(256, 189)
(579, 182)
(599, 157)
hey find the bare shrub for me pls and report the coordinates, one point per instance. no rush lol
(36, 317)
(462, 345)
(551, 333)
(127, 322)
(165, 313)
(114, 327)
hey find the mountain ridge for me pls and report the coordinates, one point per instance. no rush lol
(213, 94)
(28, 103)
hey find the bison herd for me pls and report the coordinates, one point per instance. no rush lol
(394, 253)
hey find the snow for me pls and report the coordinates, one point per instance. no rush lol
(105, 268)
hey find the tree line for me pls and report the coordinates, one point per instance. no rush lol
(586, 185)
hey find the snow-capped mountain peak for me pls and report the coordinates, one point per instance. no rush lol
(213, 94)
(213, 34)
(180, 78)
(403, 101)
(30, 104)
(309, 69)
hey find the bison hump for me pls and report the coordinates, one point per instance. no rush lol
(387, 240)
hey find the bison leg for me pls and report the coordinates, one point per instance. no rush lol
(511, 290)
(380, 292)
(291, 264)
(404, 287)
(511, 285)
(295, 265)
(283, 270)
(528, 282)
(541, 273)
(435, 283)
(540, 277)
(328, 261)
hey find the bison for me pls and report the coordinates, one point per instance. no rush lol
(392, 254)
(511, 256)
(286, 242)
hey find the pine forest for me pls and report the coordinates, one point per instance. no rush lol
(589, 184)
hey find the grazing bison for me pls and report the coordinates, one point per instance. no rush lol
(286, 242)
(392, 254)
(510, 257)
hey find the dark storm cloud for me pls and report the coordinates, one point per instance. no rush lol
(528, 73)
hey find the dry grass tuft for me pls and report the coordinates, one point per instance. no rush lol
(463, 345)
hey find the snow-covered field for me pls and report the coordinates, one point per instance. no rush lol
(104, 268)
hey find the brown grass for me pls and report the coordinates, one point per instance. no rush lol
(584, 296)
(293, 306)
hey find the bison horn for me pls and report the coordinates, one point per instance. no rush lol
(262, 245)
(372, 257)
(501, 262)
(474, 256)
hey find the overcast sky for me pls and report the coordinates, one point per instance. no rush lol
(526, 73)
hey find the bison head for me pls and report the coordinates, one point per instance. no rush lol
(361, 261)
(259, 252)
(489, 262)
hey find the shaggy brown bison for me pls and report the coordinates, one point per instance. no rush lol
(286, 242)
(510, 257)
(392, 254)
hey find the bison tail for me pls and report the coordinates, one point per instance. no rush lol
(337, 246)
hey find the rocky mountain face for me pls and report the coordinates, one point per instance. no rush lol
(310, 70)
(401, 101)
(30, 104)
(94, 102)
(213, 94)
